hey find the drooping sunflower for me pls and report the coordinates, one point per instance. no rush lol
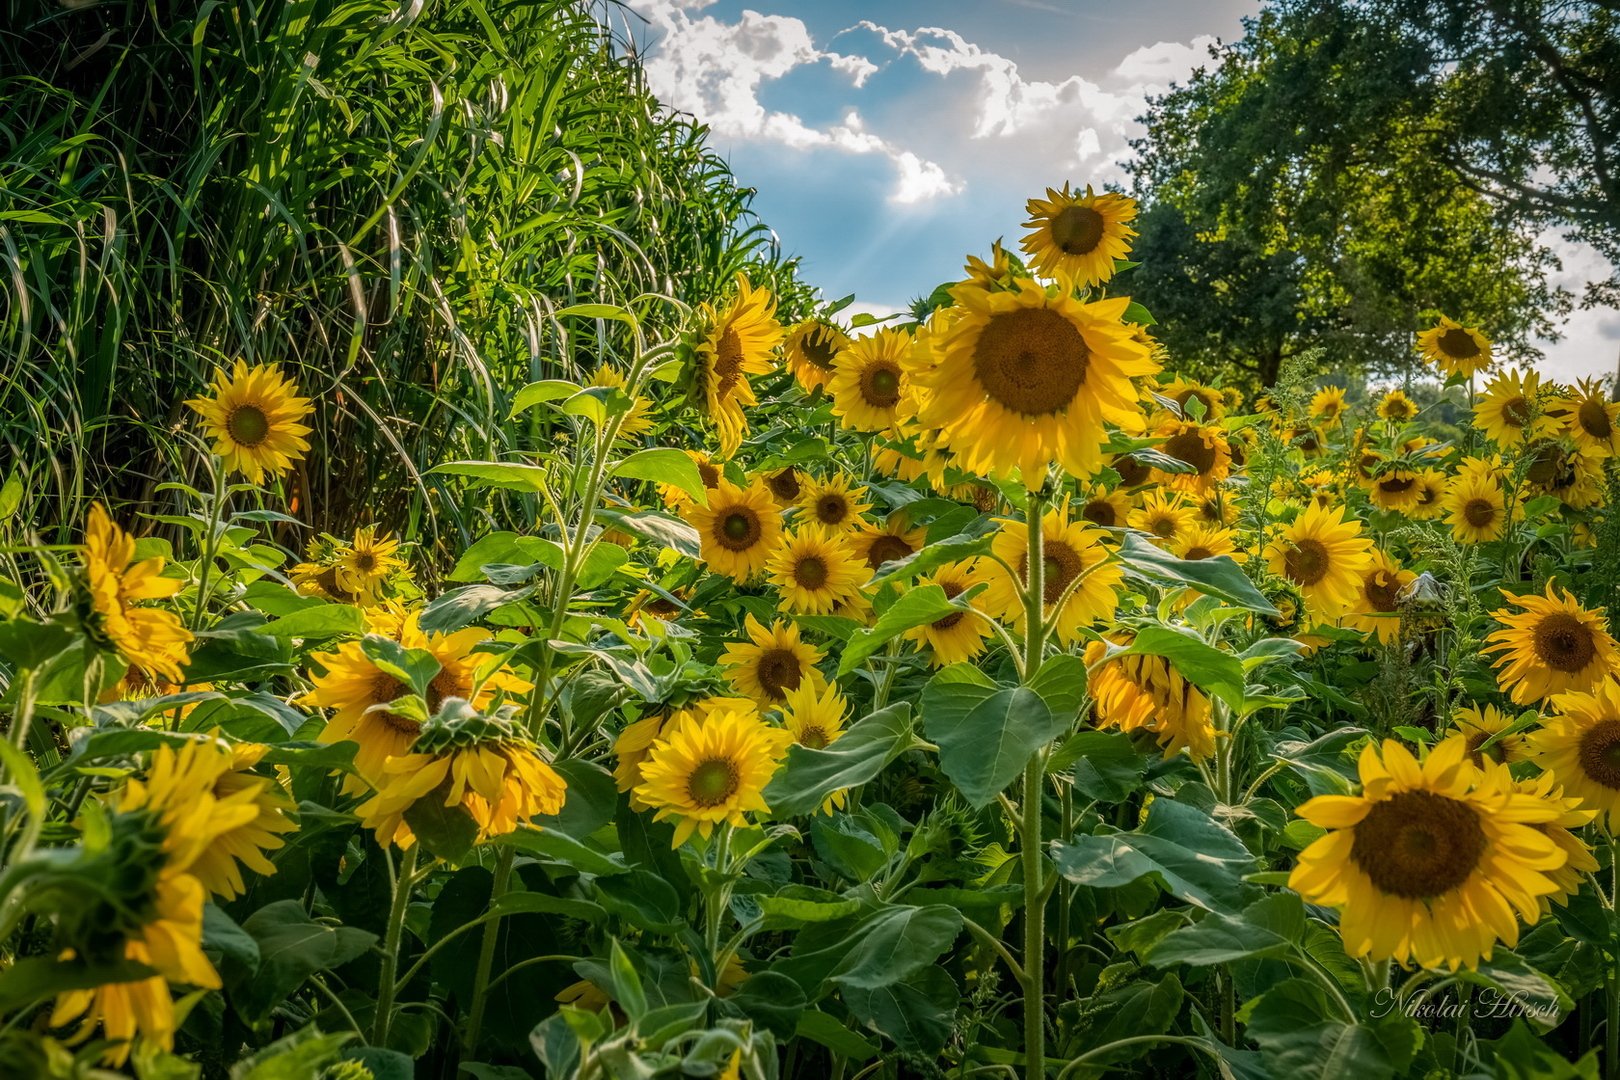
(369, 562)
(1325, 556)
(1078, 237)
(772, 662)
(1590, 418)
(1203, 447)
(811, 347)
(1203, 541)
(737, 340)
(146, 637)
(219, 865)
(1579, 744)
(895, 540)
(1025, 379)
(1166, 516)
(637, 421)
(835, 502)
(1377, 611)
(1328, 405)
(713, 772)
(960, 635)
(738, 529)
(1454, 348)
(1511, 411)
(1147, 693)
(255, 420)
(1132, 472)
(1395, 490)
(870, 385)
(1476, 507)
(1554, 646)
(1072, 552)
(815, 719)
(815, 570)
(1430, 861)
(1481, 724)
(1396, 407)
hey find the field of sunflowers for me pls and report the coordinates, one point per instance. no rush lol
(812, 695)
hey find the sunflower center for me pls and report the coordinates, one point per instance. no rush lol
(1479, 512)
(784, 485)
(365, 562)
(880, 385)
(814, 737)
(1131, 472)
(1397, 485)
(1599, 753)
(952, 591)
(728, 358)
(1060, 565)
(1494, 752)
(778, 672)
(819, 348)
(385, 688)
(1307, 562)
(810, 572)
(444, 685)
(1427, 494)
(1191, 446)
(713, 782)
(1418, 845)
(1458, 344)
(1546, 465)
(886, 548)
(831, 509)
(1198, 551)
(1564, 643)
(1100, 512)
(248, 425)
(1516, 411)
(709, 474)
(1382, 592)
(1595, 420)
(1031, 361)
(1077, 230)
(739, 529)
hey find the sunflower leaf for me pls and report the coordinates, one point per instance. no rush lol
(856, 756)
(1219, 577)
(918, 607)
(986, 732)
(664, 465)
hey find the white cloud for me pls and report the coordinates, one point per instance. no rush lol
(1590, 338)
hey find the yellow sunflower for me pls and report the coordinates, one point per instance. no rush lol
(738, 340)
(1147, 693)
(1580, 746)
(1454, 348)
(675, 497)
(1025, 379)
(772, 662)
(835, 503)
(815, 570)
(1476, 508)
(1554, 646)
(1326, 557)
(1396, 407)
(638, 420)
(1073, 555)
(147, 637)
(365, 565)
(1590, 418)
(1078, 237)
(1132, 472)
(1166, 517)
(1184, 391)
(815, 719)
(225, 772)
(1203, 541)
(255, 419)
(709, 773)
(1431, 492)
(1328, 405)
(738, 529)
(896, 540)
(1579, 864)
(1377, 611)
(960, 635)
(1479, 724)
(1511, 411)
(1204, 448)
(1395, 490)
(870, 385)
(1105, 509)
(787, 485)
(811, 347)
(1431, 860)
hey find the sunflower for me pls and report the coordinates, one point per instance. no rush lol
(1203, 541)
(1431, 491)
(815, 719)
(1306, 439)
(835, 503)
(1476, 508)
(255, 419)
(1131, 471)
(367, 563)
(647, 604)
(1579, 863)
(1147, 693)
(630, 750)
(1166, 517)
(737, 341)
(1555, 646)
(1429, 863)
(1218, 509)
(787, 485)
(1395, 490)
(960, 635)
(675, 497)
(999, 272)
(1078, 237)
(811, 347)
(738, 529)
(870, 385)
(1327, 405)
(1025, 379)
(815, 570)
(1396, 407)
(218, 866)
(1590, 418)
(1580, 746)
(1107, 509)
(896, 540)
(151, 639)
(1511, 411)
(1326, 556)
(772, 663)
(709, 773)
(1185, 391)
(1322, 486)
(1480, 724)
(1204, 448)
(1455, 349)
(1073, 555)
(1377, 611)
(636, 421)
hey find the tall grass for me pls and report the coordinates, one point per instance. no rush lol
(389, 199)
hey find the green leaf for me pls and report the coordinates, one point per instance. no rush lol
(36, 978)
(292, 947)
(1107, 766)
(671, 532)
(1219, 577)
(1217, 673)
(773, 1001)
(896, 941)
(797, 905)
(916, 607)
(973, 540)
(835, 1035)
(507, 475)
(643, 899)
(1301, 1035)
(1268, 927)
(1193, 856)
(986, 732)
(859, 754)
(664, 465)
(317, 623)
(303, 1054)
(1061, 683)
(460, 607)
(916, 1013)
(553, 845)
(1521, 1054)
(446, 832)
(540, 393)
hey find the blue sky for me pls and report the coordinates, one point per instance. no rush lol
(888, 140)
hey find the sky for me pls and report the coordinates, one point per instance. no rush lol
(888, 139)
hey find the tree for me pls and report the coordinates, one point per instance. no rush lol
(1300, 194)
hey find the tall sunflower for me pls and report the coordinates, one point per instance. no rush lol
(370, 561)
(1431, 860)
(1073, 554)
(1328, 405)
(149, 638)
(255, 418)
(1511, 411)
(1325, 556)
(1431, 492)
(772, 662)
(1395, 490)
(1106, 509)
(894, 541)
(1454, 348)
(709, 773)
(1203, 541)
(1025, 379)
(637, 421)
(1396, 407)
(787, 485)
(1167, 517)
(1377, 611)
(870, 385)
(835, 502)
(811, 348)
(960, 635)
(1078, 237)
(816, 570)
(738, 529)
(1554, 646)
(1475, 507)
(1590, 418)
(736, 341)
(1482, 724)
(1579, 744)
(1203, 447)
(815, 719)
(1147, 693)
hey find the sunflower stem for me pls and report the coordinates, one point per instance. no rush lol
(1030, 833)
(216, 507)
(391, 941)
(486, 952)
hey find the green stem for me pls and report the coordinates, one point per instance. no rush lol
(386, 986)
(1611, 1028)
(1030, 833)
(486, 951)
(216, 507)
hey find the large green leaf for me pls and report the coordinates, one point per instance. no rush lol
(34, 979)
(1268, 927)
(986, 732)
(663, 529)
(972, 540)
(317, 623)
(292, 947)
(508, 475)
(1217, 673)
(809, 776)
(896, 941)
(468, 604)
(1193, 856)
(1219, 577)
(664, 465)
(917, 607)
(1300, 1035)
(916, 1013)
